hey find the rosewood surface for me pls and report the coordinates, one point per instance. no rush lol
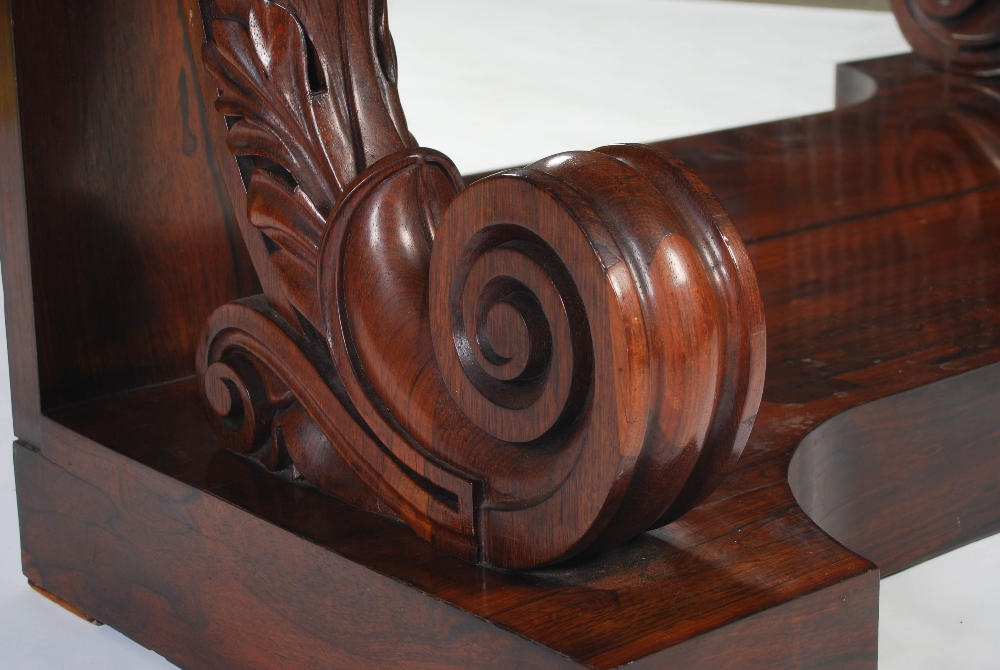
(873, 233)
(18, 306)
(537, 367)
(133, 241)
(908, 477)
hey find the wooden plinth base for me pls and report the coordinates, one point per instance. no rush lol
(301, 580)
(874, 233)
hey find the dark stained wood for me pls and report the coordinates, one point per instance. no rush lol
(131, 521)
(713, 572)
(908, 477)
(16, 267)
(873, 233)
(922, 138)
(873, 287)
(956, 35)
(133, 240)
(584, 341)
(796, 634)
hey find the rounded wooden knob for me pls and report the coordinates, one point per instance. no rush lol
(961, 36)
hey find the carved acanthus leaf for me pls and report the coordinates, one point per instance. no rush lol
(288, 218)
(262, 70)
(308, 110)
(290, 222)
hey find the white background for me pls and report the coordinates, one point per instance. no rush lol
(501, 83)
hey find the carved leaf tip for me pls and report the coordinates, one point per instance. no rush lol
(262, 73)
(307, 112)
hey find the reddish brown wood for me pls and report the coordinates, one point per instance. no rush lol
(65, 605)
(16, 267)
(898, 509)
(729, 579)
(584, 341)
(873, 231)
(133, 240)
(956, 35)
(247, 575)
(878, 276)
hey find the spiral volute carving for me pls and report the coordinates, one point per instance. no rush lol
(537, 366)
(961, 36)
(511, 333)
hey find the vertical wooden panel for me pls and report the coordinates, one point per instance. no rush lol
(134, 240)
(18, 308)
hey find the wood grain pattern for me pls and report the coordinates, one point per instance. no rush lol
(960, 36)
(65, 605)
(133, 240)
(584, 338)
(222, 579)
(873, 231)
(711, 573)
(15, 264)
(899, 509)
(167, 521)
(878, 276)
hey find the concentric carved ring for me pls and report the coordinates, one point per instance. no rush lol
(541, 365)
(621, 257)
(506, 284)
(961, 36)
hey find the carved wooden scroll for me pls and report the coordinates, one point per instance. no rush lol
(961, 36)
(545, 363)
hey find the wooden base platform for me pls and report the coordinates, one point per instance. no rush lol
(875, 232)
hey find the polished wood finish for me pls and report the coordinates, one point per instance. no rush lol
(960, 36)
(746, 577)
(543, 365)
(873, 233)
(122, 190)
(850, 479)
(75, 611)
(18, 307)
